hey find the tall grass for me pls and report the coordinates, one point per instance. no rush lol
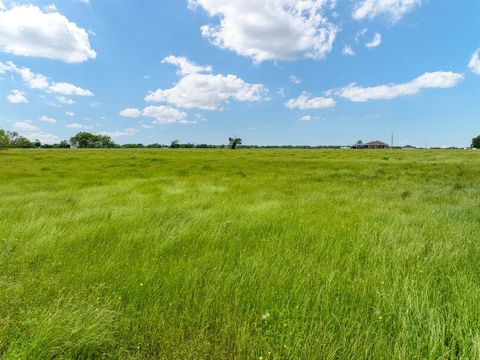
(212, 254)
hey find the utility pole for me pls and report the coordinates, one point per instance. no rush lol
(392, 140)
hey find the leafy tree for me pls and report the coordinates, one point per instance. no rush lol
(85, 140)
(4, 142)
(476, 142)
(106, 141)
(175, 144)
(64, 144)
(17, 141)
(234, 142)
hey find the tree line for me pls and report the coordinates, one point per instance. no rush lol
(85, 140)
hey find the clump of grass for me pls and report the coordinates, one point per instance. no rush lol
(65, 329)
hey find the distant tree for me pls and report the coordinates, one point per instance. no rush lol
(85, 140)
(17, 141)
(234, 142)
(155, 146)
(106, 141)
(175, 144)
(476, 142)
(64, 144)
(37, 143)
(133, 146)
(4, 142)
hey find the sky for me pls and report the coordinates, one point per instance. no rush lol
(273, 72)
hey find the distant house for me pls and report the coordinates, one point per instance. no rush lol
(373, 145)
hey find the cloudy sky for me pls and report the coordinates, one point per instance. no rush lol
(270, 71)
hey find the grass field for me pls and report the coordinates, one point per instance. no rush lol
(247, 254)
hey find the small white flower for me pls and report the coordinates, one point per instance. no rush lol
(265, 316)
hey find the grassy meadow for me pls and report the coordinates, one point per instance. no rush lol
(246, 254)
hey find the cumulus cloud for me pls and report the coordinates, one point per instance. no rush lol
(79, 126)
(347, 50)
(270, 29)
(393, 9)
(50, 8)
(116, 134)
(166, 115)
(437, 79)
(25, 126)
(185, 66)
(69, 89)
(64, 100)
(28, 31)
(130, 113)
(47, 119)
(307, 118)
(204, 90)
(376, 41)
(295, 80)
(17, 97)
(474, 63)
(41, 82)
(33, 133)
(306, 101)
(43, 137)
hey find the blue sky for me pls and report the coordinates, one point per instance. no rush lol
(271, 72)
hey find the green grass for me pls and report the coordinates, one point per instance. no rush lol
(216, 254)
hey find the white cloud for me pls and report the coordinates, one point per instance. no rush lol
(70, 113)
(206, 91)
(145, 126)
(165, 115)
(347, 50)
(34, 133)
(376, 41)
(306, 101)
(437, 79)
(393, 9)
(295, 80)
(47, 119)
(43, 137)
(270, 29)
(131, 113)
(116, 134)
(2, 5)
(474, 63)
(185, 66)
(39, 81)
(25, 126)
(307, 118)
(64, 100)
(50, 8)
(79, 126)
(85, 1)
(27, 31)
(360, 35)
(34, 81)
(17, 97)
(69, 89)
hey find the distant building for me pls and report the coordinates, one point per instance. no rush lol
(373, 145)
